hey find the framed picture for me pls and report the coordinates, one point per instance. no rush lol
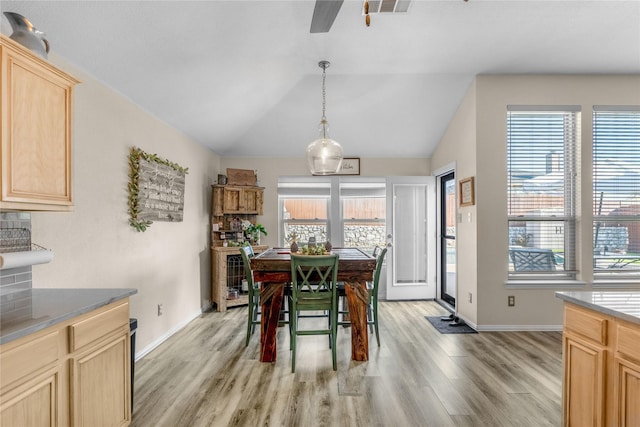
(467, 192)
(350, 166)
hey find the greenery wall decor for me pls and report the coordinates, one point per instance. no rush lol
(156, 189)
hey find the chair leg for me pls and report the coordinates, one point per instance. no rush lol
(375, 320)
(294, 331)
(333, 337)
(249, 323)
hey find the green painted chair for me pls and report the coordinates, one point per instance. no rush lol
(313, 288)
(372, 287)
(254, 292)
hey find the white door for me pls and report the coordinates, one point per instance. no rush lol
(411, 238)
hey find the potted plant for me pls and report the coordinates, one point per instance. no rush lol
(253, 231)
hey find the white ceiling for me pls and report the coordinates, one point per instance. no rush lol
(241, 77)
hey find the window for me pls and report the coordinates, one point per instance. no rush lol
(363, 214)
(616, 191)
(542, 172)
(348, 211)
(304, 209)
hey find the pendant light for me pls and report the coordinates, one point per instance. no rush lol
(324, 155)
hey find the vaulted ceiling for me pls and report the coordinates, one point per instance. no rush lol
(242, 77)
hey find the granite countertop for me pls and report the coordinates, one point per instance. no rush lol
(26, 311)
(623, 305)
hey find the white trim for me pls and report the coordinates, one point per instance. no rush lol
(450, 167)
(545, 284)
(513, 328)
(616, 284)
(519, 328)
(139, 355)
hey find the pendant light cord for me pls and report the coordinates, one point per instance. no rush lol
(323, 121)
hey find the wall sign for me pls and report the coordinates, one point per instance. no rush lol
(467, 192)
(349, 166)
(156, 189)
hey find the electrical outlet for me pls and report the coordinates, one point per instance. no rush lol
(160, 309)
(511, 301)
(470, 297)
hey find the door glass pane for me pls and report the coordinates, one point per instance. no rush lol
(449, 241)
(409, 227)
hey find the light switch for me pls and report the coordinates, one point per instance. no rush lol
(468, 216)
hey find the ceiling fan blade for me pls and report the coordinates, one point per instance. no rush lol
(324, 13)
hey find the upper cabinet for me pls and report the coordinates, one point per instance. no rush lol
(36, 108)
(237, 199)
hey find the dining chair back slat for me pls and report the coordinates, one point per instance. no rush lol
(313, 288)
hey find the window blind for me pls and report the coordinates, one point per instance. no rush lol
(616, 190)
(542, 187)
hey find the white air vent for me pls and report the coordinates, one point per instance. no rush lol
(388, 6)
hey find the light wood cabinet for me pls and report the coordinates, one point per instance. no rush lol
(237, 199)
(36, 108)
(75, 373)
(601, 356)
(220, 277)
(233, 201)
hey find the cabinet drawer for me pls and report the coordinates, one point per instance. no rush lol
(97, 326)
(587, 324)
(28, 357)
(629, 342)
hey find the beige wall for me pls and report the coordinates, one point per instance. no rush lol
(269, 169)
(535, 308)
(94, 247)
(458, 146)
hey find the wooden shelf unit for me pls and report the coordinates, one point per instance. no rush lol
(219, 276)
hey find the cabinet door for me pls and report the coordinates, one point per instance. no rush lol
(34, 403)
(233, 200)
(627, 393)
(253, 201)
(100, 384)
(36, 134)
(584, 382)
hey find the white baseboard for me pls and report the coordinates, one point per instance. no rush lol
(140, 354)
(513, 328)
(519, 328)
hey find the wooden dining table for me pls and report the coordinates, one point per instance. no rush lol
(272, 268)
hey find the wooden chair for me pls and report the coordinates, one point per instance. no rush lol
(313, 288)
(254, 292)
(372, 287)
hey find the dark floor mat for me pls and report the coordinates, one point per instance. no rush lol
(444, 327)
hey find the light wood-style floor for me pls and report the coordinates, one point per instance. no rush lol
(205, 376)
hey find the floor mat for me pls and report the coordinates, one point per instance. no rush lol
(444, 328)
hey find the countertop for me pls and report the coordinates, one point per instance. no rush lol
(26, 311)
(623, 305)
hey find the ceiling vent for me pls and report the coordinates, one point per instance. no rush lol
(389, 6)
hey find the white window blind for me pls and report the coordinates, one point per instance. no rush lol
(542, 171)
(616, 191)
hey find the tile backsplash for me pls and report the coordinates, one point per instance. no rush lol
(14, 279)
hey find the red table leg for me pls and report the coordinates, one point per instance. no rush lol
(271, 295)
(357, 300)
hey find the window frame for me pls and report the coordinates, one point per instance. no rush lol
(569, 191)
(618, 270)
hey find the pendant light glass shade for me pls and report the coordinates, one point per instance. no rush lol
(324, 155)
